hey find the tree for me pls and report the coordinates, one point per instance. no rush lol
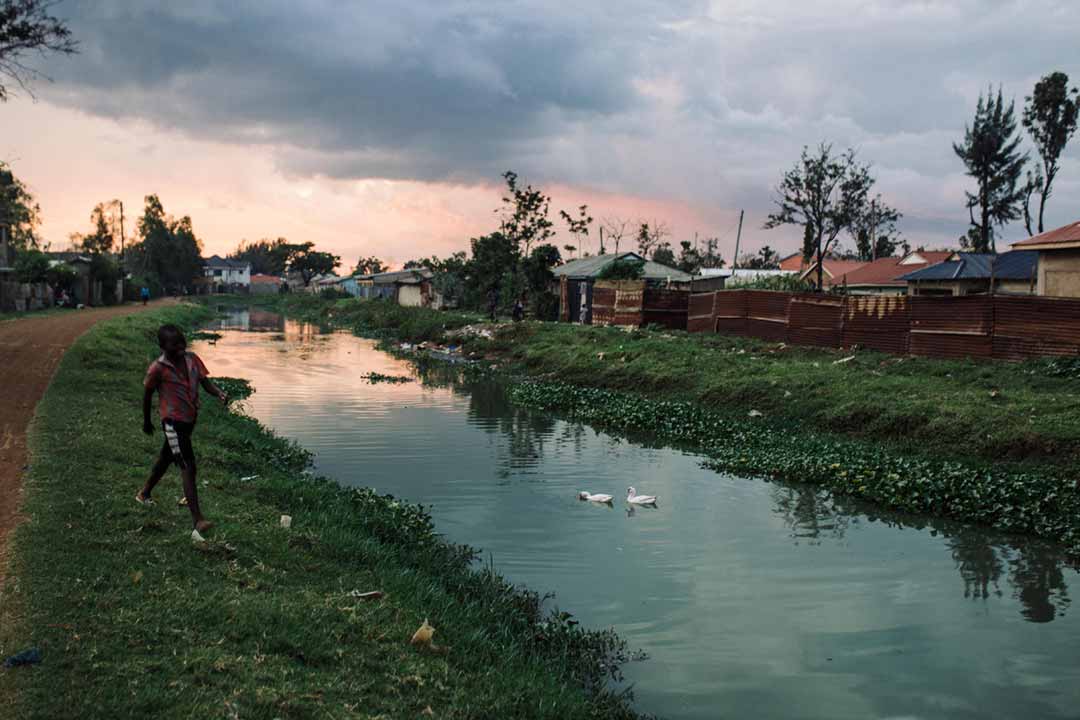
(371, 266)
(525, 215)
(493, 266)
(711, 257)
(689, 258)
(766, 259)
(663, 254)
(539, 278)
(874, 230)
(990, 152)
(616, 230)
(1050, 118)
(18, 210)
(267, 257)
(824, 195)
(309, 262)
(579, 226)
(570, 249)
(167, 249)
(106, 231)
(27, 27)
(650, 237)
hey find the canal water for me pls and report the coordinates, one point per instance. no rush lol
(751, 598)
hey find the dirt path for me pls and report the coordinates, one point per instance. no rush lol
(30, 350)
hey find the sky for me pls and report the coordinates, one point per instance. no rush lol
(382, 127)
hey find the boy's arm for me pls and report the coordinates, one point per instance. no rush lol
(147, 398)
(214, 390)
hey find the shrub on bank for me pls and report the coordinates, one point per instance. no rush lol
(1041, 504)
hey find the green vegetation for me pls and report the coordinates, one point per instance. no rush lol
(1023, 414)
(133, 619)
(625, 269)
(1044, 505)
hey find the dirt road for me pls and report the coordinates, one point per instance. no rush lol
(30, 350)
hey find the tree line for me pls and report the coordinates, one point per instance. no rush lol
(829, 194)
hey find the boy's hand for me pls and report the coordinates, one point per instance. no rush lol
(148, 427)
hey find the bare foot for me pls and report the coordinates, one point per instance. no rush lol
(204, 525)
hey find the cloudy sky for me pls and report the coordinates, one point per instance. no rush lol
(382, 126)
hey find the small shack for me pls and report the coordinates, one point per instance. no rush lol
(408, 288)
(661, 296)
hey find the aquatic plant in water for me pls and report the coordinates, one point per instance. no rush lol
(1022, 502)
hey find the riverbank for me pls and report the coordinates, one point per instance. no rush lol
(987, 442)
(133, 619)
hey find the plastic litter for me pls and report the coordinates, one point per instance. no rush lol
(756, 414)
(369, 595)
(286, 521)
(30, 656)
(423, 634)
(841, 361)
(249, 478)
(196, 536)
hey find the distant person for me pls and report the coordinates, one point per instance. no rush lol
(144, 293)
(519, 308)
(176, 377)
(493, 302)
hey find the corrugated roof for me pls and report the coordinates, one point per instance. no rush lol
(590, 267)
(1065, 236)
(834, 270)
(216, 261)
(412, 276)
(882, 271)
(1014, 265)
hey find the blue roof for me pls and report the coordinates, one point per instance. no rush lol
(1014, 265)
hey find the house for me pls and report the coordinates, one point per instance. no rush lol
(882, 276)
(409, 288)
(964, 273)
(579, 277)
(325, 281)
(793, 263)
(1058, 270)
(833, 271)
(224, 275)
(265, 284)
(84, 290)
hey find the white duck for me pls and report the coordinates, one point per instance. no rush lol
(634, 499)
(598, 498)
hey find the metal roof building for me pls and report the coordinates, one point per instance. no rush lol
(589, 268)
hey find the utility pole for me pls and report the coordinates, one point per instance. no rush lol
(123, 266)
(873, 229)
(601, 239)
(738, 236)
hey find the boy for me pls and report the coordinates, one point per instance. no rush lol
(176, 377)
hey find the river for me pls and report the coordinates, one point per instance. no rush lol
(751, 598)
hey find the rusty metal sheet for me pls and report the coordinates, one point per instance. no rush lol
(815, 320)
(729, 311)
(700, 316)
(952, 327)
(877, 322)
(1026, 327)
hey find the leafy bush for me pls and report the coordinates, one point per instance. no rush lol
(31, 266)
(623, 269)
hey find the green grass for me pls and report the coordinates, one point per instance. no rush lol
(1025, 414)
(134, 620)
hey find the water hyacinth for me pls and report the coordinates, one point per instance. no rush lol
(1040, 504)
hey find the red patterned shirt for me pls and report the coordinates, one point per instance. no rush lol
(177, 400)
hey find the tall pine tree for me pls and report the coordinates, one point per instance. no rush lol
(990, 152)
(1050, 117)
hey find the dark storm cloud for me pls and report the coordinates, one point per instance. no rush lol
(692, 99)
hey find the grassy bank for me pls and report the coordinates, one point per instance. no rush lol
(1024, 414)
(986, 442)
(134, 620)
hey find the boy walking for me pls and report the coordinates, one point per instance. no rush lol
(176, 377)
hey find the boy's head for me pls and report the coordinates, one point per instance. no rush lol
(171, 340)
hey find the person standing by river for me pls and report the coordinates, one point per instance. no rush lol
(176, 376)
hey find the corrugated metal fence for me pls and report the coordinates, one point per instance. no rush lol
(982, 326)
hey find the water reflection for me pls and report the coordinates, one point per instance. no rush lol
(752, 598)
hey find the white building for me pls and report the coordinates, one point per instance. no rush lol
(225, 274)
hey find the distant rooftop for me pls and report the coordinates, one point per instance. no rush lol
(591, 267)
(1067, 236)
(1013, 265)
